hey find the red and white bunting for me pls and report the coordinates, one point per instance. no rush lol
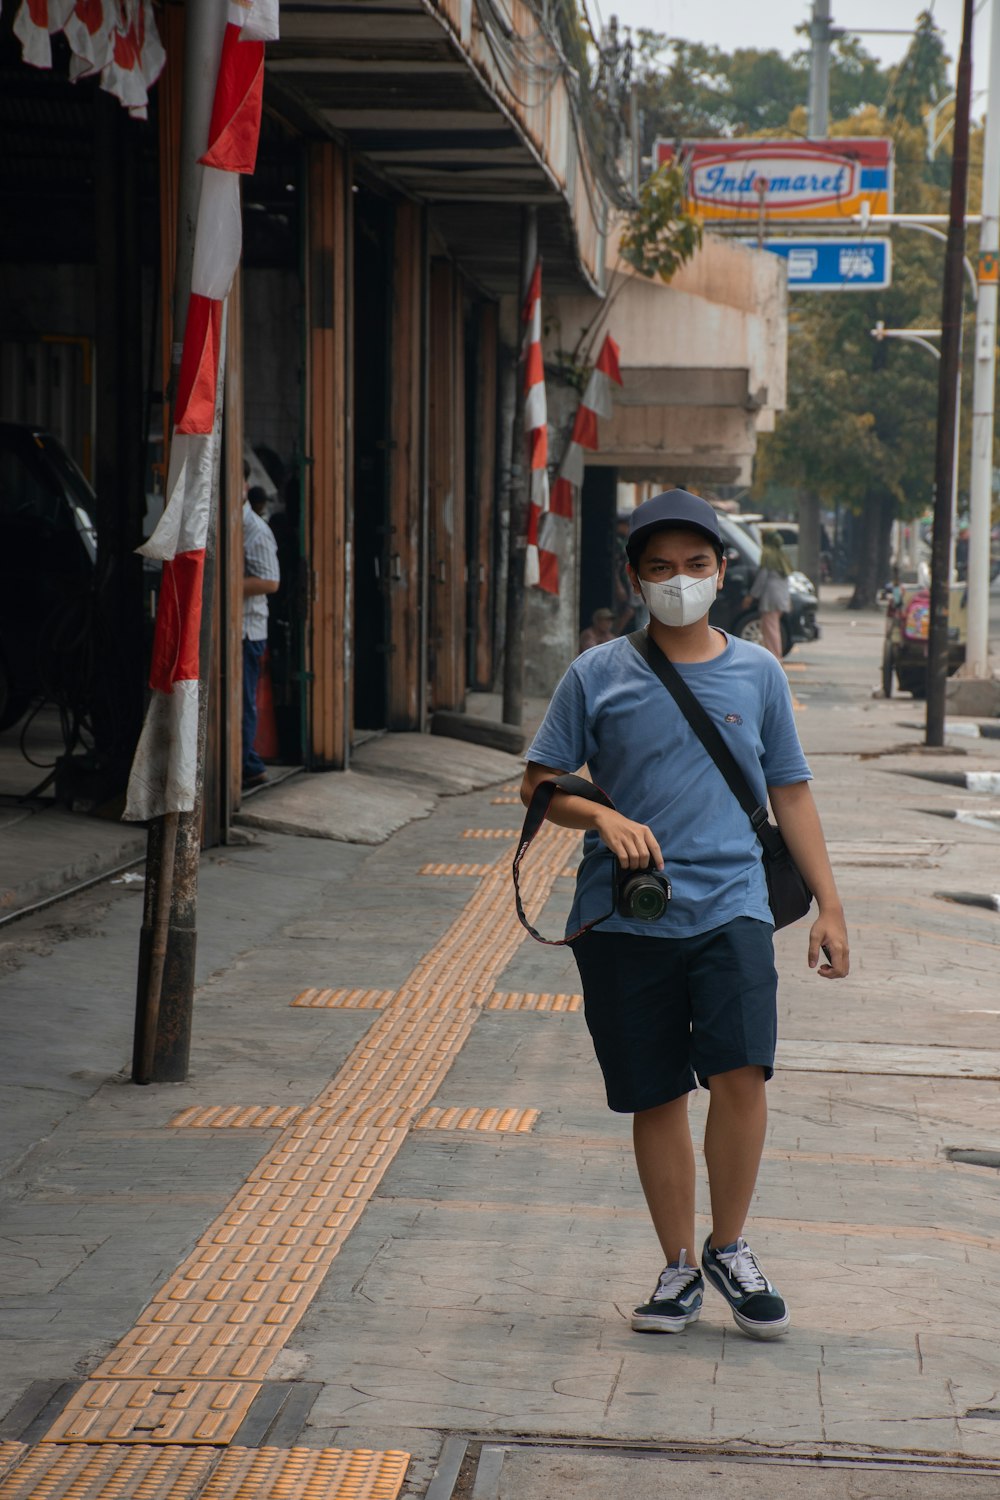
(163, 771)
(541, 564)
(596, 402)
(116, 39)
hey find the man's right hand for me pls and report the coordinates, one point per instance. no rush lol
(632, 844)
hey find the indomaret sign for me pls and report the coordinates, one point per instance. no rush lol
(790, 181)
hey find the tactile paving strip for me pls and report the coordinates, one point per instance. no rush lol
(237, 1117)
(517, 1000)
(10, 1452)
(490, 833)
(234, 1302)
(307, 1474)
(476, 870)
(458, 1118)
(344, 999)
(85, 1471)
(151, 1411)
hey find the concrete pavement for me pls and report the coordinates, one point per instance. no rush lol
(389, 1213)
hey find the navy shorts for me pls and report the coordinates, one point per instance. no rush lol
(668, 1013)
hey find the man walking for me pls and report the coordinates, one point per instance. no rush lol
(261, 576)
(691, 997)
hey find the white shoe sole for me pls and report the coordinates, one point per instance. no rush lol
(650, 1323)
(761, 1330)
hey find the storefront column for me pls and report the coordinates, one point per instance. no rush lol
(328, 405)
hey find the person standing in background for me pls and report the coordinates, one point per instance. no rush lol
(599, 630)
(261, 576)
(771, 593)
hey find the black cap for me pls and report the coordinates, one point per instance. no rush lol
(673, 508)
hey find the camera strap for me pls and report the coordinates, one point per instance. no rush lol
(533, 820)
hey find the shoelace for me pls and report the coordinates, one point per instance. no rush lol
(741, 1264)
(675, 1279)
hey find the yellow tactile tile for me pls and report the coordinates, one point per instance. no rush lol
(458, 1118)
(10, 1453)
(490, 833)
(517, 1000)
(154, 1411)
(307, 1474)
(237, 1117)
(511, 799)
(472, 870)
(231, 1306)
(356, 999)
(105, 1471)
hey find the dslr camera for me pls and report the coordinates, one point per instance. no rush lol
(641, 895)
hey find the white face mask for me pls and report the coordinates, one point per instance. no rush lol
(681, 600)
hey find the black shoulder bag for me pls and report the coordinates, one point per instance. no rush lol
(789, 896)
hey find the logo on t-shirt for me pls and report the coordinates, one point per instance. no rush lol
(733, 719)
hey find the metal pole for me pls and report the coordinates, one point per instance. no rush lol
(977, 651)
(513, 669)
(819, 70)
(165, 987)
(951, 329)
(820, 33)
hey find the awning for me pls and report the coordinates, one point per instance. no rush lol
(453, 113)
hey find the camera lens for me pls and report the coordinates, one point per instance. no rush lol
(647, 900)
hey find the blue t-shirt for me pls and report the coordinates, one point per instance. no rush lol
(611, 713)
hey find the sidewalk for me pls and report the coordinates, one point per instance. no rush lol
(389, 1214)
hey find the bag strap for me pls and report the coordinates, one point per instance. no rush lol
(710, 737)
(533, 820)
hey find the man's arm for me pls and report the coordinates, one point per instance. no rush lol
(796, 815)
(252, 585)
(632, 843)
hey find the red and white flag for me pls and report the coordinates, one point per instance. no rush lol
(164, 769)
(115, 39)
(541, 563)
(596, 402)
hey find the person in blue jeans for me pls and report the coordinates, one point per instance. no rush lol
(261, 576)
(691, 997)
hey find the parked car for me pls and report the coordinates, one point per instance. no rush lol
(742, 552)
(907, 629)
(48, 558)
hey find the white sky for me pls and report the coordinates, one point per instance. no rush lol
(771, 23)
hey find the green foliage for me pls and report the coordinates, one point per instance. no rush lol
(659, 236)
(921, 79)
(687, 90)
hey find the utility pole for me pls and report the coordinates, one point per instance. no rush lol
(948, 372)
(513, 663)
(167, 940)
(821, 34)
(977, 660)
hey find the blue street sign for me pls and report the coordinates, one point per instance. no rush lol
(834, 265)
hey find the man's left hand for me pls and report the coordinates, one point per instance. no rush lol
(828, 935)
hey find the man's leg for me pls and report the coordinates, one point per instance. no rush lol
(664, 1157)
(252, 653)
(734, 1143)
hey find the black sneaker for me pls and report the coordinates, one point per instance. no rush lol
(753, 1301)
(675, 1303)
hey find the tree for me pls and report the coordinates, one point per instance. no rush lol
(921, 79)
(688, 91)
